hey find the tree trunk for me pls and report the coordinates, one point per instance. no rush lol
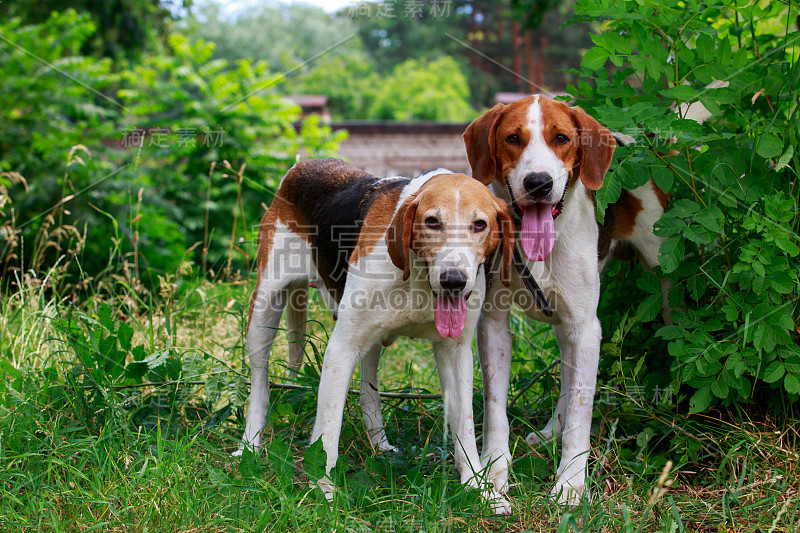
(534, 81)
(516, 44)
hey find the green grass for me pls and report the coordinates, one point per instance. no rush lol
(78, 454)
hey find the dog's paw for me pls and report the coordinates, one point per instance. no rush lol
(499, 504)
(239, 452)
(384, 446)
(497, 471)
(326, 486)
(537, 438)
(533, 439)
(569, 495)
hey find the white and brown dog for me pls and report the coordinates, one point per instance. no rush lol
(546, 160)
(398, 257)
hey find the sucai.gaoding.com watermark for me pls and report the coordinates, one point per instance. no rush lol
(393, 9)
(165, 137)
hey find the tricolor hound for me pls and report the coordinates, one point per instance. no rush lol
(398, 257)
(533, 152)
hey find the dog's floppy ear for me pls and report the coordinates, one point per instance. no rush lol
(399, 235)
(479, 138)
(596, 146)
(506, 227)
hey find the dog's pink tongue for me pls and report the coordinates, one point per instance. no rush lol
(450, 314)
(538, 231)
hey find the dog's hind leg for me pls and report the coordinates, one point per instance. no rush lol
(648, 243)
(296, 319)
(288, 263)
(371, 400)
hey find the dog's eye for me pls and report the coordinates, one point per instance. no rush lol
(512, 139)
(561, 139)
(433, 223)
(478, 226)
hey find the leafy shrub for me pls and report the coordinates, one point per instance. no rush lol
(181, 115)
(731, 229)
(194, 111)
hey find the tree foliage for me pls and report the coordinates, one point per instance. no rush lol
(731, 228)
(139, 186)
(123, 28)
(419, 90)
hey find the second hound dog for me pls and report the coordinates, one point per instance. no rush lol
(398, 257)
(545, 160)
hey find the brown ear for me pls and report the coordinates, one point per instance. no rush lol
(506, 225)
(399, 235)
(479, 138)
(596, 147)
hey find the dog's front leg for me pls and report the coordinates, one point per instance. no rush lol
(454, 362)
(338, 365)
(555, 425)
(495, 350)
(583, 339)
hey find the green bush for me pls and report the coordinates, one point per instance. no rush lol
(64, 117)
(731, 228)
(200, 111)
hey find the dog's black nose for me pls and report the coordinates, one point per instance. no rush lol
(538, 184)
(453, 280)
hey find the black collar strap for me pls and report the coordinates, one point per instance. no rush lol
(531, 285)
(522, 268)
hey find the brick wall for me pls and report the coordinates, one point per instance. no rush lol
(392, 149)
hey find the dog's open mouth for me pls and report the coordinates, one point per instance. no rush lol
(450, 313)
(538, 233)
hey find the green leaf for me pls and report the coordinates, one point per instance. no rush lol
(663, 177)
(701, 400)
(671, 332)
(697, 286)
(720, 386)
(683, 93)
(104, 317)
(608, 193)
(280, 458)
(705, 47)
(594, 59)
(138, 353)
(792, 384)
(650, 283)
(698, 234)
(314, 461)
(792, 364)
(157, 359)
(773, 372)
(710, 218)
(135, 371)
(124, 335)
(249, 465)
(668, 225)
(769, 146)
(783, 162)
(671, 253)
(782, 283)
(650, 307)
(238, 390)
(684, 208)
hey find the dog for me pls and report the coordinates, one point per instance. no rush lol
(546, 159)
(395, 256)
